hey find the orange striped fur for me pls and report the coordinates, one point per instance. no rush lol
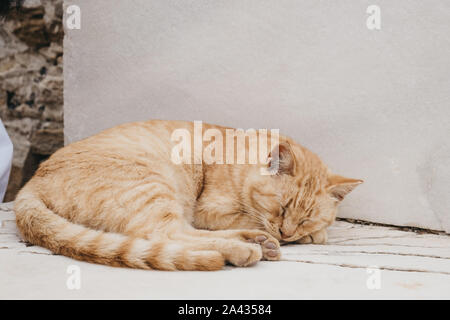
(117, 199)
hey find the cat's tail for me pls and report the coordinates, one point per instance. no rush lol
(41, 226)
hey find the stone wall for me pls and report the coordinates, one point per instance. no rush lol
(31, 85)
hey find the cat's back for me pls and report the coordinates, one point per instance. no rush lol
(128, 137)
(135, 143)
(92, 171)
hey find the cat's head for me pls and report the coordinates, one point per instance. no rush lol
(301, 198)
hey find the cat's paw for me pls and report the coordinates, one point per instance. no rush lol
(319, 237)
(243, 254)
(269, 245)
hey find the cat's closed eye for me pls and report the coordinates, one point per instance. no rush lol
(303, 221)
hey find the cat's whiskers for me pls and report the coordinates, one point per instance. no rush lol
(260, 218)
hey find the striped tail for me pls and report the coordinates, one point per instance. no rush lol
(41, 226)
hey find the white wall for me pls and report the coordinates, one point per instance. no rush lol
(373, 104)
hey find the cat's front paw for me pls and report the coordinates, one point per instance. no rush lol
(319, 237)
(269, 245)
(270, 248)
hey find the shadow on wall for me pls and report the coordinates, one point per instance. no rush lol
(31, 85)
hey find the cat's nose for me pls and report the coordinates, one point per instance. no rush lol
(286, 233)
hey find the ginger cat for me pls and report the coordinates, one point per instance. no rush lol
(116, 198)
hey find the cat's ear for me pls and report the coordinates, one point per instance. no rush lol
(282, 159)
(339, 186)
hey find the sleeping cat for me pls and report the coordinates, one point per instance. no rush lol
(117, 199)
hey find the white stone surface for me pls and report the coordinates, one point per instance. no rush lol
(412, 266)
(373, 104)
